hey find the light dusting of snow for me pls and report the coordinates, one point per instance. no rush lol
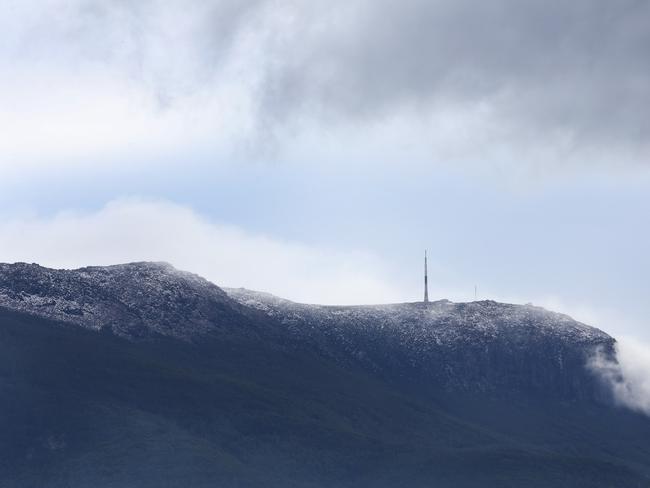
(133, 299)
(418, 325)
(139, 298)
(477, 346)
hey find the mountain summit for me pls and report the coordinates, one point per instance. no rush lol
(132, 300)
(143, 375)
(479, 345)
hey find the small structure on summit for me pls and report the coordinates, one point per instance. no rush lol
(426, 284)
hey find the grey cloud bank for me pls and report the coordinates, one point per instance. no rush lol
(577, 66)
(573, 75)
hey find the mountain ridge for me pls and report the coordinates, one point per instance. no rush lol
(133, 299)
(25, 287)
(164, 379)
(454, 345)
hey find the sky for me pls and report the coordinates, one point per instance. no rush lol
(315, 149)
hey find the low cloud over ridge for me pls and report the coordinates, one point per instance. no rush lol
(139, 230)
(628, 375)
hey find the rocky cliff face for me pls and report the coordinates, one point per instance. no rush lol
(485, 346)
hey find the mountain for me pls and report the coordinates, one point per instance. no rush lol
(132, 300)
(140, 375)
(480, 346)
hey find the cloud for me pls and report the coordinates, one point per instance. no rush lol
(529, 83)
(138, 230)
(553, 82)
(628, 375)
(89, 82)
(575, 66)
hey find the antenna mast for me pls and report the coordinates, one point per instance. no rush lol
(426, 284)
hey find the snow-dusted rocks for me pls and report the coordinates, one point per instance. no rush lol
(485, 345)
(134, 299)
(462, 346)
(418, 323)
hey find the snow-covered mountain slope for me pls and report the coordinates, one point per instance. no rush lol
(133, 300)
(419, 323)
(201, 387)
(484, 345)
